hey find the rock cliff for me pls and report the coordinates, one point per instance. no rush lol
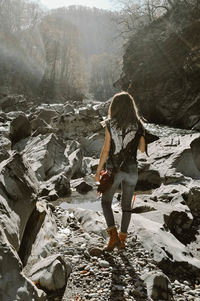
(161, 69)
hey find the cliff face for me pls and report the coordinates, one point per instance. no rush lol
(162, 69)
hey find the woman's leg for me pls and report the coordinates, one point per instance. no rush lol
(128, 188)
(106, 200)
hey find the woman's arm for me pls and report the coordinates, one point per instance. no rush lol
(104, 154)
(141, 145)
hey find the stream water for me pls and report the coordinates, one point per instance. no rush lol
(91, 200)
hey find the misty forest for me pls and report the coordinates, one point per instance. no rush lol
(59, 69)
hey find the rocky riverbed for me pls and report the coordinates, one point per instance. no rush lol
(51, 225)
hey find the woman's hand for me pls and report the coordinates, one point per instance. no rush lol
(97, 176)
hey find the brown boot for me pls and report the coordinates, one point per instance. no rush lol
(114, 239)
(122, 237)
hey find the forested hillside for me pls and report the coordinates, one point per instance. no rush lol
(67, 53)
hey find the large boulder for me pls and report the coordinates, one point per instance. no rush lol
(173, 159)
(90, 221)
(46, 155)
(192, 198)
(74, 152)
(80, 185)
(75, 161)
(169, 253)
(39, 235)
(186, 164)
(18, 195)
(167, 206)
(51, 273)
(18, 191)
(11, 103)
(89, 165)
(13, 284)
(158, 286)
(56, 187)
(195, 148)
(39, 126)
(46, 114)
(148, 176)
(20, 128)
(93, 144)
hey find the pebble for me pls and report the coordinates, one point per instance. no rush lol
(104, 263)
(87, 236)
(76, 259)
(117, 287)
(191, 292)
(142, 263)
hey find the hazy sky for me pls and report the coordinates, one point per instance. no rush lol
(104, 4)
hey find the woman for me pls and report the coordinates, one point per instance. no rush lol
(124, 134)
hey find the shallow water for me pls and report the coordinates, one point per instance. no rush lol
(89, 200)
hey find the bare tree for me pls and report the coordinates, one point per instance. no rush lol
(134, 14)
(18, 15)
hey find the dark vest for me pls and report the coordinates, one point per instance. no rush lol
(124, 145)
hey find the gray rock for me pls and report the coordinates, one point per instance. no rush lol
(20, 128)
(148, 177)
(80, 185)
(192, 198)
(18, 191)
(90, 221)
(11, 103)
(158, 286)
(51, 273)
(178, 220)
(172, 159)
(47, 114)
(95, 252)
(93, 144)
(72, 146)
(104, 263)
(89, 165)
(70, 124)
(169, 253)
(68, 109)
(14, 285)
(196, 126)
(45, 155)
(102, 107)
(58, 183)
(195, 148)
(186, 164)
(40, 234)
(5, 147)
(75, 162)
(38, 123)
(44, 131)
